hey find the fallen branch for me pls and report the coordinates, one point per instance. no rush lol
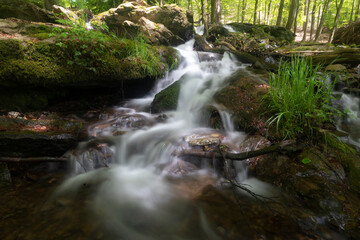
(285, 146)
(33, 159)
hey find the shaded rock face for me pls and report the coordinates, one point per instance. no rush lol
(25, 10)
(45, 136)
(323, 179)
(35, 73)
(161, 25)
(64, 13)
(348, 35)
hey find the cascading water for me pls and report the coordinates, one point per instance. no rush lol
(135, 201)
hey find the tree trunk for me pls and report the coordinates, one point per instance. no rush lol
(215, 11)
(255, 11)
(243, 11)
(281, 8)
(292, 14)
(322, 20)
(357, 15)
(313, 14)
(352, 11)
(269, 13)
(161, 3)
(296, 14)
(338, 10)
(307, 13)
(260, 12)
(204, 17)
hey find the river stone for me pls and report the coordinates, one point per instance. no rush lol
(204, 139)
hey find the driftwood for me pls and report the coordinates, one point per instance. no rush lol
(285, 146)
(33, 159)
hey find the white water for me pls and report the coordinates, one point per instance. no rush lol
(350, 123)
(131, 199)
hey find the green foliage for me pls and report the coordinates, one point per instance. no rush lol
(80, 46)
(306, 160)
(299, 98)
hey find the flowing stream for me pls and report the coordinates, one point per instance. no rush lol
(133, 197)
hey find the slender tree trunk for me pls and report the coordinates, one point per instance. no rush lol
(215, 11)
(296, 14)
(338, 10)
(255, 11)
(307, 14)
(322, 20)
(204, 17)
(352, 11)
(161, 3)
(357, 15)
(292, 14)
(238, 12)
(244, 6)
(269, 13)
(281, 8)
(313, 14)
(260, 12)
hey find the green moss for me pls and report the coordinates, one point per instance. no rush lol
(10, 49)
(167, 99)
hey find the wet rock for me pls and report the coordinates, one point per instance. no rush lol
(5, 177)
(252, 143)
(25, 10)
(204, 139)
(167, 99)
(320, 178)
(21, 137)
(95, 157)
(243, 97)
(162, 25)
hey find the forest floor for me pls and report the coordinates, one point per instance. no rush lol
(324, 37)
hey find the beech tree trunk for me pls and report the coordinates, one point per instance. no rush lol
(313, 14)
(296, 14)
(357, 15)
(292, 14)
(352, 11)
(204, 17)
(260, 12)
(338, 10)
(255, 11)
(244, 6)
(215, 11)
(269, 13)
(307, 13)
(322, 20)
(281, 8)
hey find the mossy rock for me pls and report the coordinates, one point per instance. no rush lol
(43, 66)
(346, 56)
(25, 10)
(167, 99)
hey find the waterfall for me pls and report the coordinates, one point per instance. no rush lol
(132, 198)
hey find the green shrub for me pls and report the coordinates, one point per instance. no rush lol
(299, 98)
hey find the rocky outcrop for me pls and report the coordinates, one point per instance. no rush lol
(30, 136)
(167, 99)
(64, 13)
(40, 71)
(25, 10)
(161, 25)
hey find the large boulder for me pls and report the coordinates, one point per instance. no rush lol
(167, 99)
(25, 10)
(36, 73)
(172, 22)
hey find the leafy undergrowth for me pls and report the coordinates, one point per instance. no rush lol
(299, 99)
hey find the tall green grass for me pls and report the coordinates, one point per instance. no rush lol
(299, 98)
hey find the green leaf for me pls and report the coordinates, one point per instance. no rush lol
(306, 161)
